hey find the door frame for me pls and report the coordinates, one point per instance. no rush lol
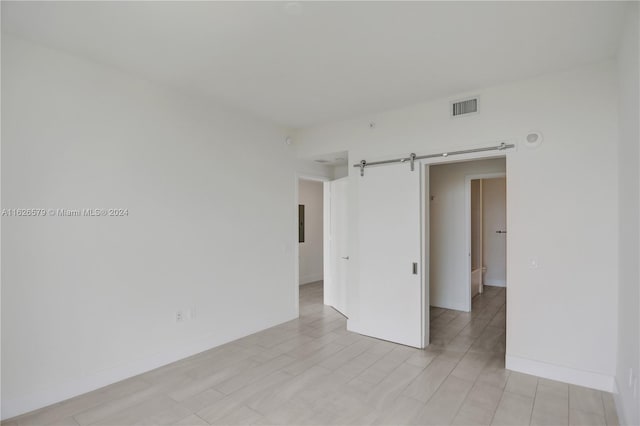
(296, 247)
(425, 243)
(425, 205)
(467, 215)
(328, 239)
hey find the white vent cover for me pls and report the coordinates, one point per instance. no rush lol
(467, 106)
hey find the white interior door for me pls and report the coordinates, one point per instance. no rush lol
(336, 252)
(390, 304)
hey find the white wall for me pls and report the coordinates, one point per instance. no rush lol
(310, 193)
(494, 251)
(90, 300)
(340, 172)
(628, 195)
(310, 168)
(449, 278)
(572, 335)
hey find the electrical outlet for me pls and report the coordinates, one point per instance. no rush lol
(631, 377)
(179, 316)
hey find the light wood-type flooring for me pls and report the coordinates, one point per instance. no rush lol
(312, 371)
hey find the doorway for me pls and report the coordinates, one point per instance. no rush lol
(451, 256)
(487, 232)
(310, 231)
(407, 261)
(321, 231)
(467, 235)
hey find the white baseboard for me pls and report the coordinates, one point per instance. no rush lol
(495, 283)
(617, 399)
(12, 407)
(562, 374)
(311, 278)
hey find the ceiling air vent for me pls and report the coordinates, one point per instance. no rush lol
(467, 106)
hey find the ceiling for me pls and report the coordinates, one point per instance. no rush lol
(299, 64)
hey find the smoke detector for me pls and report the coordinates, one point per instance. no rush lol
(533, 139)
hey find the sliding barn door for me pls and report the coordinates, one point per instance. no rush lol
(389, 234)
